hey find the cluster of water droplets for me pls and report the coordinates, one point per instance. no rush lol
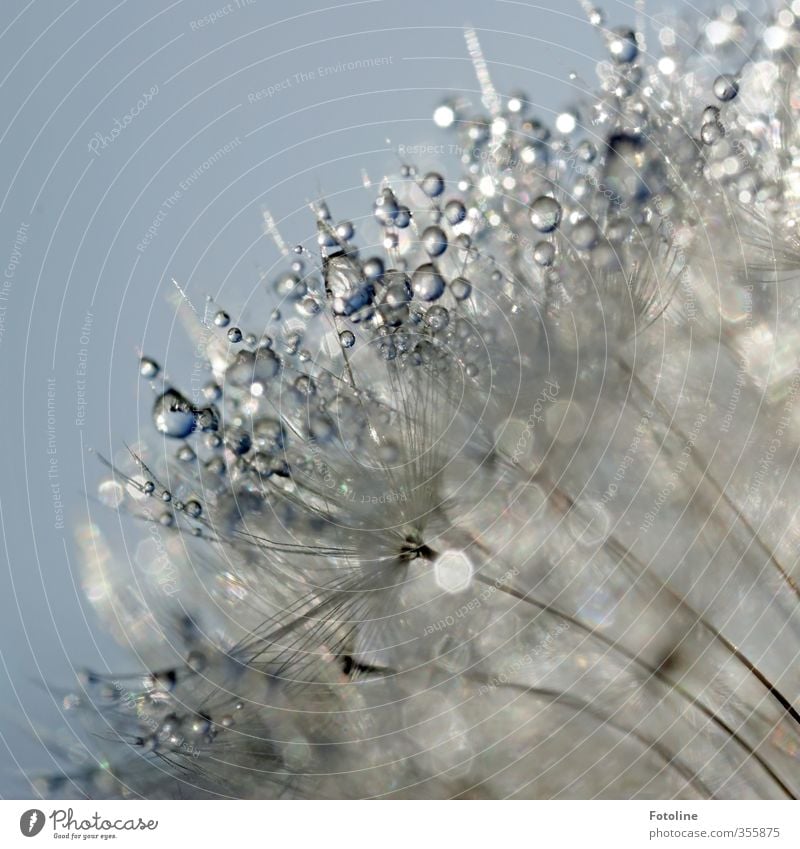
(386, 409)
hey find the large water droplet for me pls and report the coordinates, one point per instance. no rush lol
(148, 368)
(173, 415)
(545, 214)
(726, 87)
(346, 285)
(434, 241)
(427, 283)
(432, 184)
(455, 212)
(622, 45)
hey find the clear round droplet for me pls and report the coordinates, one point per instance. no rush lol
(585, 234)
(373, 268)
(193, 509)
(386, 207)
(622, 45)
(455, 212)
(403, 218)
(711, 133)
(148, 368)
(186, 454)
(545, 214)
(347, 339)
(726, 87)
(544, 254)
(234, 335)
(437, 318)
(434, 241)
(427, 283)
(173, 415)
(460, 288)
(345, 230)
(433, 184)
(222, 319)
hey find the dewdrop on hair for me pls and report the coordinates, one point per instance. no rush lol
(507, 506)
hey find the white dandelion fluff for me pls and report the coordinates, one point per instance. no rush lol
(502, 504)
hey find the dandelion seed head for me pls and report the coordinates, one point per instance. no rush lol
(450, 509)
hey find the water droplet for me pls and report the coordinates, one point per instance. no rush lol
(253, 367)
(711, 133)
(622, 45)
(212, 392)
(185, 454)
(437, 318)
(434, 241)
(201, 725)
(388, 350)
(432, 184)
(305, 385)
(347, 339)
(346, 286)
(545, 214)
(386, 207)
(345, 230)
(373, 268)
(148, 368)
(629, 167)
(427, 283)
(222, 319)
(544, 254)
(207, 419)
(234, 335)
(455, 212)
(585, 234)
(173, 415)
(726, 87)
(193, 508)
(460, 288)
(403, 218)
